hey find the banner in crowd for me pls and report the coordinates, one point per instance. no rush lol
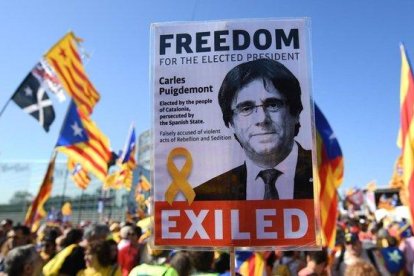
(233, 140)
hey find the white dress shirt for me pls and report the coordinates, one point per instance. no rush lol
(255, 187)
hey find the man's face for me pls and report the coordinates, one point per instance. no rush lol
(267, 132)
(18, 238)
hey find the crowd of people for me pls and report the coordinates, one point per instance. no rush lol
(364, 247)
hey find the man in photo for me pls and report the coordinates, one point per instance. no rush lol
(261, 103)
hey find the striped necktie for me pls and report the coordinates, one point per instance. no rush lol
(269, 177)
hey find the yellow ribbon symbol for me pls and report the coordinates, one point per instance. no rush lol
(179, 178)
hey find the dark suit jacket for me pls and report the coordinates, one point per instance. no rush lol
(231, 185)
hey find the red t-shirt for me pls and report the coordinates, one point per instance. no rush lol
(128, 258)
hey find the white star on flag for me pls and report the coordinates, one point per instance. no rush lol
(132, 146)
(77, 131)
(394, 256)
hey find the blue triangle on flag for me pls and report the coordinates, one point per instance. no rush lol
(73, 131)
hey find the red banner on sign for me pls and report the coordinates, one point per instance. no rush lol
(249, 223)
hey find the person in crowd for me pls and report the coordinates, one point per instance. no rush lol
(181, 262)
(48, 244)
(354, 252)
(23, 261)
(153, 263)
(202, 262)
(292, 260)
(17, 236)
(153, 270)
(393, 257)
(96, 232)
(5, 226)
(129, 255)
(148, 253)
(316, 263)
(123, 234)
(114, 251)
(115, 228)
(222, 262)
(406, 245)
(98, 260)
(70, 259)
(20, 235)
(361, 268)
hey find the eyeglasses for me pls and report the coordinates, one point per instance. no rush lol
(271, 105)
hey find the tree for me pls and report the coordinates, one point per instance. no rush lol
(20, 197)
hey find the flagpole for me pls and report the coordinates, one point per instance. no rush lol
(232, 261)
(64, 188)
(4, 107)
(80, 207)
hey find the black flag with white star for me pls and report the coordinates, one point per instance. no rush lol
(33, 99)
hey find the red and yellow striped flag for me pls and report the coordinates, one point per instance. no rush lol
(36, 212)
(127, 159)
(127, 164)
(121, 178)
(78, 174)
(251, 263)
(406, 134)
(144, 183)
(67, 63)
(126, 175)
(330, 173)
(83, 142)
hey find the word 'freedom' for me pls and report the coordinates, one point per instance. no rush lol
(240, 40)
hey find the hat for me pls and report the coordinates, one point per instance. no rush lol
(351, 238)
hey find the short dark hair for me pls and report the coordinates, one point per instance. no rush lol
(74, 236)
(6, 222)
(281, 77)
(319, 257)
(102, 250)
(18, 257)
(181, 263)
(137, 230)
(94, 231)
(23, 228)
(202, 260)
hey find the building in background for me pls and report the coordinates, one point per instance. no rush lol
(138, 204)
(24, 178)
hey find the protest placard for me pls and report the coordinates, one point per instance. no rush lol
(233, 134)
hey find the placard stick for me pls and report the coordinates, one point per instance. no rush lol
(232, 262)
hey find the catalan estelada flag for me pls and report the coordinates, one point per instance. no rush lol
(127, 163)
(406, 135)
(250, 263)
(331, 170)
(78, 174)
(82, 141)
(36, 212)
(64, 58)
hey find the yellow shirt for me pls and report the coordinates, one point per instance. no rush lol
(100, 271)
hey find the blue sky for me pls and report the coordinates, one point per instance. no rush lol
(355, 52)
